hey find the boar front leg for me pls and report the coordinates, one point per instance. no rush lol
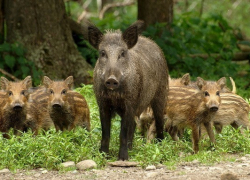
(210, 132)
(105, 116)
(126, 134)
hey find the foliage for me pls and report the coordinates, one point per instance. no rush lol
(190, 35)
(12, 59)
(49, 149)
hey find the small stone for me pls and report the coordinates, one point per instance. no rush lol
(151, 167)
(44, 171)
(228, 176)
(243, 158)
(74, 172)
(152, 174)
(4, 171)
(247, 155)
(160, 166)
(86, 164)
(242, 165)
(68, 164)
(37, 175)
(123, 164)
(195, 161)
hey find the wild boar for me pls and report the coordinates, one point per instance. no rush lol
(13, 108)
(130, 74)
(38, 116)
(67, 108)
(191, 107)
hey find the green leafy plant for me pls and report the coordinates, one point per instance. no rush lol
(12, 59)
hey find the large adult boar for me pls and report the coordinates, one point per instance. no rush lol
(130, 74)
(67, 108)
(13, 104)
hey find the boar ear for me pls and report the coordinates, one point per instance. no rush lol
(94, 36)
(69, 81)
(130, 36)
(27, 82)
(222, 82)
(200, 82)
(185, 79)
(140, 26)
(46, 81)
(4, 83)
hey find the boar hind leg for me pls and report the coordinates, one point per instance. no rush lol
(131, 132)
(105, 116)
(195, 138)
(210, 132)
(158, 109)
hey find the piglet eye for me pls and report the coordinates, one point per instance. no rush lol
(206, 93)
(218, 93)
(23, 92)
(10, 93)
(51, 91)
(64, 91)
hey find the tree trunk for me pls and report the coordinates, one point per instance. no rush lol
(1, 22)
(152, 11)
(42, 28)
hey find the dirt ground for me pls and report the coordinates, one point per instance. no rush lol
(238, 170)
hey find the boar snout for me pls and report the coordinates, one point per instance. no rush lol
(214, 108)
(57, 106)
(17, 107)
(112, 83)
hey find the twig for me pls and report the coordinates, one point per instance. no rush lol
(111, 5)
(8, 74)
(84, 12)
(239, 56)
(202, 6)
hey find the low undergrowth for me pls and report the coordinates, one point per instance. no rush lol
(49, 149)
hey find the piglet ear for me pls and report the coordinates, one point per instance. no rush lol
(27, 82)
(4, 83)
(222, 82)
(185, 80)
(94, 36)
(69, 82)
(200, 82)
(130, 35)
(46, 81)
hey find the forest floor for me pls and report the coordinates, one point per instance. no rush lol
(238, 170)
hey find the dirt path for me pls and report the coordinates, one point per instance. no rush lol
(188, 171)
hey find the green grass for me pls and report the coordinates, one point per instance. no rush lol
(49, 149)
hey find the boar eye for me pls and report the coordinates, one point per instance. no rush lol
(206, 93)
(10, 93)
(64, 91)
(23, 92)
(218, 93)
(51, 91)
(123, 54)
(102, 53)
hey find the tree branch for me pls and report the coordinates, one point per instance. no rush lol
(81, 29)
(239, 56)
(111, 5)
(8, 74)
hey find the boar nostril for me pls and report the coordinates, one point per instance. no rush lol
(56, 106)
(214, 109)
(112, 83)
(17, 107)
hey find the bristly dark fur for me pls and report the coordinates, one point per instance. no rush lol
(138, 69)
